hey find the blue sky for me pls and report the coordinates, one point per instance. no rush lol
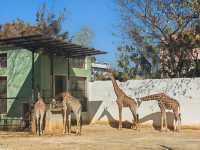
(100, 15)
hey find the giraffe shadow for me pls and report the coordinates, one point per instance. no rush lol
(156, 118)
(166, 147)
(113, 122)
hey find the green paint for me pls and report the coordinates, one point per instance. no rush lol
(19, 81)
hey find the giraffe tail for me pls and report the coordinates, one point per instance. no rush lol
(81, 123)
(179, 115)
(81, 120)
(139, 102)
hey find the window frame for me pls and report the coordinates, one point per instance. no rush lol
(78, 62)
(3, 104)
(3, 63)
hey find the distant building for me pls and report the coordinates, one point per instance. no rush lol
(98, 69)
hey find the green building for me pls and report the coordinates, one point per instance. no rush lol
(38, 63)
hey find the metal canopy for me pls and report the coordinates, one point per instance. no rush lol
(48, 44)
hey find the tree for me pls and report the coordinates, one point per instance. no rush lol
(47, 23)
(16, 28)
(132, 62)
(124, 63)
(51, 24)
(84, 37)
(165, 29)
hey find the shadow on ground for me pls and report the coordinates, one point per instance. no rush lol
(154, 117)
(113, 122)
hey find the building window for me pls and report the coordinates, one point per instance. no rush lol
(3, 60)
(78, 90)
(77, 62)
(60, 84)
(3, 95)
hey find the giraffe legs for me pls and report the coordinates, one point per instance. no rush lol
(165, 121)
(161, 123)
(64, 120)
(78, 120)
(177, 121)
(69, 124)
(120, 118)
(37, 123)
(135, 121)
(41, 122)
(163, 118)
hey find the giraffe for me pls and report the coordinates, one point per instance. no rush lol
(166, 102)
(71, 103)
(39, 111)
(124, 101)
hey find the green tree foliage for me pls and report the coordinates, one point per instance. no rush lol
(165, 30)
(121, 76)
(124, 63)
(133, 62)
(84, 37)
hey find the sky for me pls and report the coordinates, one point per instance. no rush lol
(99, 15)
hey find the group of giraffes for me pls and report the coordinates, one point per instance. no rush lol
(164, 102)
(70, 103)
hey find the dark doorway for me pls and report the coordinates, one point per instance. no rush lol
(78, 89)
(60, 84)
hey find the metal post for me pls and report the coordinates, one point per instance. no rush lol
(32, 76)
(52, 76)
(68, 73)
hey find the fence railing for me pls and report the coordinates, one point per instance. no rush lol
(10, 122)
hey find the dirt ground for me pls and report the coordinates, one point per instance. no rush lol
(101, 137)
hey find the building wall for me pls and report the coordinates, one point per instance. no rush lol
(60, 67)
(18, 72)
(103, 105)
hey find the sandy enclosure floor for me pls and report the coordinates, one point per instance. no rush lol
(101, 137)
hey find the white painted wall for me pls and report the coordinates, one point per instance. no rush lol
(186, 91)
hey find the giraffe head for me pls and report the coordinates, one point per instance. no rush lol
(66, 96)
(108, 74)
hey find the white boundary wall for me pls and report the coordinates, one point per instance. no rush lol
(186, 91)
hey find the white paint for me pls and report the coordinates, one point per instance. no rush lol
(100, 65)
(186, 91)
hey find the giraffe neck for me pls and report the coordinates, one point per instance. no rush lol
(117, 90)
(40, 100)
(152, 97)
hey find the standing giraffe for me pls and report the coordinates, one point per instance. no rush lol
(70, 104)
(39, 110)
(166, 102)
(124, 101)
